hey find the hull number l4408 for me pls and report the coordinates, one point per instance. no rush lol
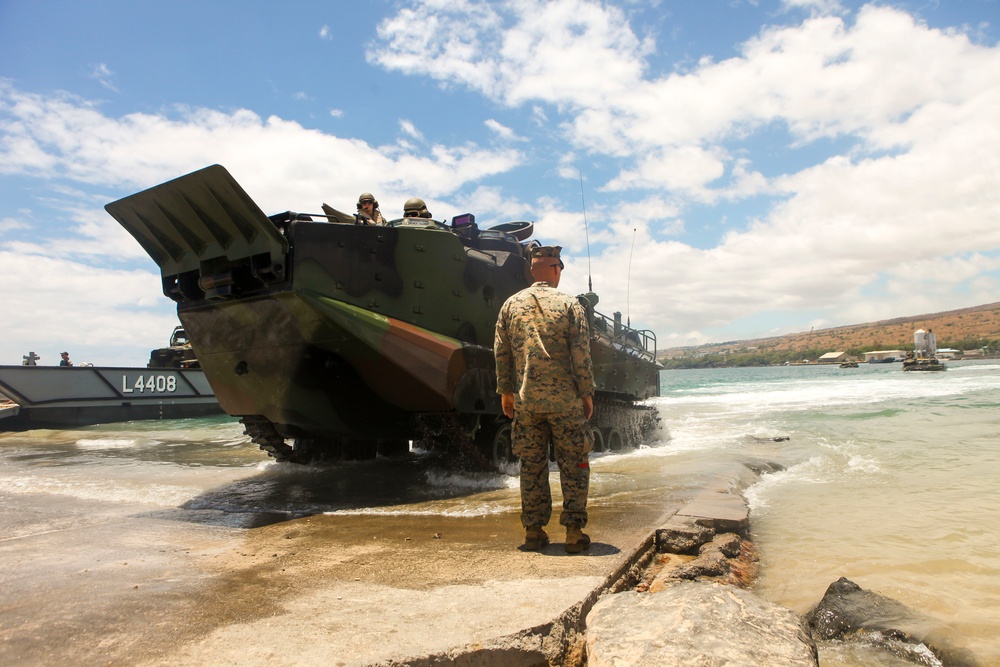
(153, 383)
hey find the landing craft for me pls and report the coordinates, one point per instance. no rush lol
(330, 338)
(170, 387)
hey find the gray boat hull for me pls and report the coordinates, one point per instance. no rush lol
(59, 397)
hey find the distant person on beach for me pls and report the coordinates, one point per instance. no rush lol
(368, 209)
(545, 379)
(65, 359)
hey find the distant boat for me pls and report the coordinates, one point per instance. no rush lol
(172, 387)
(848, 364)
(60, 397)
(924, 350)
(923, 364)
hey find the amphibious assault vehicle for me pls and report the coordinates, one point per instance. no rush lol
(331, 338)
(178, 354)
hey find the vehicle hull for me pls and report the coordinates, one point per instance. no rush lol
(335, 370)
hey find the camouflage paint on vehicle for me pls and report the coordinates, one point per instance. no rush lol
(338, 336)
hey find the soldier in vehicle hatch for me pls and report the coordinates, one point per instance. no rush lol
(545, 379)
(368, 209)
(415, 208)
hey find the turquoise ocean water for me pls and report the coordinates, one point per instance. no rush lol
(891, 481)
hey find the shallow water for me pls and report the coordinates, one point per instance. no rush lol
(892, 485)
(888, 481)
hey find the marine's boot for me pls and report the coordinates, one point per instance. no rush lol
(535, 538)
(576, 540)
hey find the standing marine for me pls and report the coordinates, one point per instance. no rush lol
(545, 379)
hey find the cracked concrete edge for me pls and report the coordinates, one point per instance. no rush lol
(550, 643)
(562, 640)
(720, 506)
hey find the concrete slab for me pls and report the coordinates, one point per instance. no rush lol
(696, 623)
(725, 511)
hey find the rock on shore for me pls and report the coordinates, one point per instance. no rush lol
(849, 612)
(692, 607)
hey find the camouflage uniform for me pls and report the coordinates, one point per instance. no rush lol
(542, 348)
(375, 218)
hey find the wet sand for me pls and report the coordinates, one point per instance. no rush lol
(91, 582)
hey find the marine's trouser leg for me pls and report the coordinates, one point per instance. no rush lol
(572, 440)
(530, 442)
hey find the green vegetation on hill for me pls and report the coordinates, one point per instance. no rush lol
(739, 359)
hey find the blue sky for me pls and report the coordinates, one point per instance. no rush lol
(749, 168)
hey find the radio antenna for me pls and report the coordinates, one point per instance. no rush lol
(628, 284)
(586, 232)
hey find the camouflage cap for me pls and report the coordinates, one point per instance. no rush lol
(546, 251)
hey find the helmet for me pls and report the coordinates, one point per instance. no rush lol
(415, 208)
(414, 204)
(367, 196)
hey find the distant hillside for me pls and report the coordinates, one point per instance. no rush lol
(971, 327)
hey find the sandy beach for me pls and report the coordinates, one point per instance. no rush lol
(90, 582)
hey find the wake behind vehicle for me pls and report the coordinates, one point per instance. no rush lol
(331, 338)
